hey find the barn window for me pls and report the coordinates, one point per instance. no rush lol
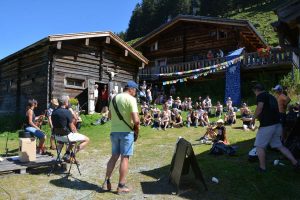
(72, 82)
(154, 46)
(221, 34)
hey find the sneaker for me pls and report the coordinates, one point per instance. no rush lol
(106, 186)
(123, 190)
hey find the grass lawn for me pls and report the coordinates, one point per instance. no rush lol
(149, 169)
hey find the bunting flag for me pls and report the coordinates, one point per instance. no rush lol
(204, 71)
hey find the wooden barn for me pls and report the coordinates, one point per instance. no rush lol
(66, 64)
(192, 42)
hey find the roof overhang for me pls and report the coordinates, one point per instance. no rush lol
(83, 35)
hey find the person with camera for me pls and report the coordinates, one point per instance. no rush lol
(125, 124)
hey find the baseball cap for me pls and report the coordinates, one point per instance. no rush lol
(132, 84)
(277, 88)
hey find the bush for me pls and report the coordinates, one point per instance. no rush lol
(292, 83)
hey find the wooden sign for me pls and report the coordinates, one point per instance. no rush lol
(183, 161)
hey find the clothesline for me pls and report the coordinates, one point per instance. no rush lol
(209, 68)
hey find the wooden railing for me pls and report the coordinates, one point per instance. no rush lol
(250, 60)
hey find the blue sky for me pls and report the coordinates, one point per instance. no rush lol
(23, 22)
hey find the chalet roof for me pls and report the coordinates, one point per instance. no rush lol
(252, 32)
(82, 35)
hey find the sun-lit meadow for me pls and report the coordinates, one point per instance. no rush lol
(149, 169)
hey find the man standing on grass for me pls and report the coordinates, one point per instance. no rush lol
(125, 124)
(270, 129)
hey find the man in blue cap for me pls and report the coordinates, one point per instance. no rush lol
(125, 124)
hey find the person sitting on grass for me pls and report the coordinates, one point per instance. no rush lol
(195, 118)
(33, 128)
(189, 104)
(207, 105)
(230, 117)
(204, 120)
(189, 118)
(156, 119)
(144, 107)
(243, 108)
(104, 116)
(165, 119)
(184, 104)
(176, 103)
(147, 119)
(169, 103)
(209, 136)
(228, 103)
(247, 121)
(220, 131)
(178, 122)
(219, 109)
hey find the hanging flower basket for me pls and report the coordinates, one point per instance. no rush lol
(264, 52)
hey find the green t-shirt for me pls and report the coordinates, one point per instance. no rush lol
(126, 104)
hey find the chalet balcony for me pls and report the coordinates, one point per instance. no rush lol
(250, 61)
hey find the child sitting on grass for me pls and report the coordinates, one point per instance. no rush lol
(147, 119)
(178, 122)
(230, 117)
(247, 121)
(156, 119)
(104, 116)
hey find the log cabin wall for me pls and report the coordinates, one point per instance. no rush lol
(73, 65)
(76, 62)
(188, 41)
(23, 77)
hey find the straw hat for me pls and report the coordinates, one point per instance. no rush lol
(54, 102)
(220, 121)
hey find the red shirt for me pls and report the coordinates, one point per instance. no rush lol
(104, 95)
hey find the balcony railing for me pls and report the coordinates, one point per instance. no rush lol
(275, 56)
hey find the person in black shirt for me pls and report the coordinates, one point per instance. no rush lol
(270, 129)
(64, 128)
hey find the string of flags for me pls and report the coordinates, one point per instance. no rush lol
(204, 71)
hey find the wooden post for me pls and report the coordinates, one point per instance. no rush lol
(87, 42)
(58, 45)
(107, 40)
(126, 52)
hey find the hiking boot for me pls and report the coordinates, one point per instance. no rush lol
(123, 189)
(106, 186)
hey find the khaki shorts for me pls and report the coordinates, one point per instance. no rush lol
(269, 135)
(72, 137)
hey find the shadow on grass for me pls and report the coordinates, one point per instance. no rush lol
(238, 178)
(74, 184)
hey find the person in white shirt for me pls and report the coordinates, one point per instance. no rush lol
(96, 94)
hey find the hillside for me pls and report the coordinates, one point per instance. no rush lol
(261, 17)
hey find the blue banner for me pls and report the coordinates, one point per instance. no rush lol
(233, 78)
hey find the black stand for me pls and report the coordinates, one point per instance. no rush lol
(183, 160)
(6, 148)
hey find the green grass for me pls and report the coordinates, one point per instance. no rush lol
(261, 17)
(150, 165)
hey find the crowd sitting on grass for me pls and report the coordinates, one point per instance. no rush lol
(198, 113)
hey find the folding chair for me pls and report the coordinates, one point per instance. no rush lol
(61, 138)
